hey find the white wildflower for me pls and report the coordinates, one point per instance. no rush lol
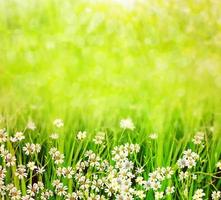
(170, 190)
(21, 172)
(29, 148)
(27, 197)
(10, 160)
(58, 123)
(61, 190)
(198, 195)
(40, 170)
(31, 165)
(56, 156)
(2, 172)
(14, 193)
(158, 195)
(153, 136)
(198, 138)
(99, 138)
(183, 175)
(81, 135)
(194, 176)
(33, 189)
(54, 136)
(3, 135)
(17, 137)
(127, 124)
(216, 195)
(31, 125)
(188, 160)
(218, 165)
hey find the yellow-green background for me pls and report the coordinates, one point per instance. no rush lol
(97, 61)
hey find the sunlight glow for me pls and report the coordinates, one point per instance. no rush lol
(129, 4)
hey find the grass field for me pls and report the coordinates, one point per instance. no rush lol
(128, 92)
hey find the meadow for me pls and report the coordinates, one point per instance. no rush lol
(110, 99)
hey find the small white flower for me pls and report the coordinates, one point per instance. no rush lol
(158, 195)
(17, 137)
(61, 190)
(72, 196)
(127, 124)
(58, 123)
(155, 185)
(13, 139)
(139, 170)
(37, 148)
(183, 175)
(56, 155)
(170, 190)
(2, 172)
(56, 183)
(27, 197)
(198, 138)
(14, 193)
(21, 172)
(40, 170)
(40, 185)
(168, 172)
(33, 189)
(99, 138)
(59, 171)
(31, 165)
(10, 160)
(3, 135)
(216, 195)
(194, 176)
(218, 165)
(140, 194)
(29, 148)
(188, 160)
(54, 136)
(198, 195)
(31, 125)
(68, 172)
(153, 136)
(46, 194)
(81, 135)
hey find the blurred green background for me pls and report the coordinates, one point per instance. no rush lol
(100, 61)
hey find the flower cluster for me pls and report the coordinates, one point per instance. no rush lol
(119, 177)
(159, 175)
(31, 149)
(65, 172)
(19, 136)
(188, 160)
